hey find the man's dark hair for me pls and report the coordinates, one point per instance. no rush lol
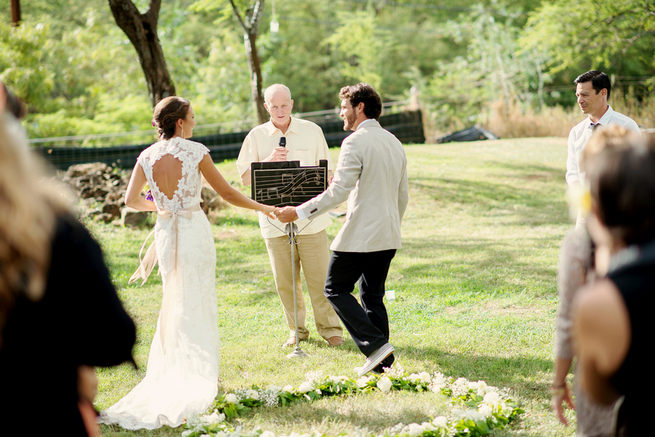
(363, 92)
(599, 80)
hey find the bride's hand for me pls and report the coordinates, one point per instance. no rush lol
(268, 210)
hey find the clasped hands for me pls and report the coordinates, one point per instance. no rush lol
(286, 214)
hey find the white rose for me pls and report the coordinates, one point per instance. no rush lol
(253, 394)
(424, 377)
(413, 378)
(482, 388)
(414, 429)
(288, 388)
(475, 416)
(438, 382)
(485, 410)
(305, 387)
(214, 418)
(362, 381)
(231, 398)
(491, 398)
(384, 384)
(267, 434)
(440, 422)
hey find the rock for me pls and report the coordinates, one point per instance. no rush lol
(132, 217)
(101, 188)
(211, 203)
(112, 209)
(78, 170)
(107, 218)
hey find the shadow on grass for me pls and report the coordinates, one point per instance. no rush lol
(487, 268)
(530, 171)
(530, 206)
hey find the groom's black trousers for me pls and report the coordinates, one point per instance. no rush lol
(368, 323)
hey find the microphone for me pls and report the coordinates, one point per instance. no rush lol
(283, 142)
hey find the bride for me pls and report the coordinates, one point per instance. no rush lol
(182, 374)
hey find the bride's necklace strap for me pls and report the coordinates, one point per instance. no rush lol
(148, 262)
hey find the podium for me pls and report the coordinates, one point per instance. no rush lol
(286, 183)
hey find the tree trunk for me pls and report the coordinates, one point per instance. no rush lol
(141, 29)
(255, 77)
(250, 25)
(15, 13)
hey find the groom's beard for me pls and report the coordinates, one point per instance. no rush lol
(348, 121)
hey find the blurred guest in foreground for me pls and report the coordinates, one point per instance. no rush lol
(612, 322)
(580, 263)
(59, 312)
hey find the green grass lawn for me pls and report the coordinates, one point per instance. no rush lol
(475, 294)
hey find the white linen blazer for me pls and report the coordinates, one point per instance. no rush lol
(372, 174)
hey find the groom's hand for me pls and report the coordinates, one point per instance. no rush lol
(286, 214)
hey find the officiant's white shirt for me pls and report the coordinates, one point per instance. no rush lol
(305, 143)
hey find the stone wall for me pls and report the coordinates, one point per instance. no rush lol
(101, 190)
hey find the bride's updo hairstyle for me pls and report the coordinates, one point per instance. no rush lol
(167, 112)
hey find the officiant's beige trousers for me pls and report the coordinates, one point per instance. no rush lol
(313, 255)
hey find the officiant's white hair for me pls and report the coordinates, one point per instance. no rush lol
(272, 89)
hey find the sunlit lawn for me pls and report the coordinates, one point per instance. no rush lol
(475, 293)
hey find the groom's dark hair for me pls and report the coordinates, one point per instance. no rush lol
(363, 92)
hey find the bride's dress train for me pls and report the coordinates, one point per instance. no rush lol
(182, 375)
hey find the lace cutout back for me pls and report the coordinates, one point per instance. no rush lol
(166, 171)
(188, 154)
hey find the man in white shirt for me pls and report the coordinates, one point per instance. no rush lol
(592, 91)
(305, 143)
(372, 175)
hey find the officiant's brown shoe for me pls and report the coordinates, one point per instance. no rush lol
(337, 340)
(291, 341)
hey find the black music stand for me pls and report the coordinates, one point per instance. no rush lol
(286, 183)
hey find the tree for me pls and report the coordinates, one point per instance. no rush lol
(15, 13)
(250, 24)
(618, 37)
(492, 69)
(249, 16)
(141, 29)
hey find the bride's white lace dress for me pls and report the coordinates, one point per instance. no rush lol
(182, 375)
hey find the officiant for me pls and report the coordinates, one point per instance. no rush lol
(286, 138)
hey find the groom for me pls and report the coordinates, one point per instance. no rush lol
(372, 174)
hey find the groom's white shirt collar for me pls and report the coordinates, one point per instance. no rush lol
(365, 121)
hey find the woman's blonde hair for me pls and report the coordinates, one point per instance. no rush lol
(29, 205)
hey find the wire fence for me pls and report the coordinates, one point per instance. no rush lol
(407, 126)
(144, 136)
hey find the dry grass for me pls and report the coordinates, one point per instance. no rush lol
(514, 120)
(511, 120)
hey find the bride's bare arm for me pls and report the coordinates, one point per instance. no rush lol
(133, 197)
(226, 191)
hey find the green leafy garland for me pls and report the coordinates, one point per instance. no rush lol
(479, 408)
